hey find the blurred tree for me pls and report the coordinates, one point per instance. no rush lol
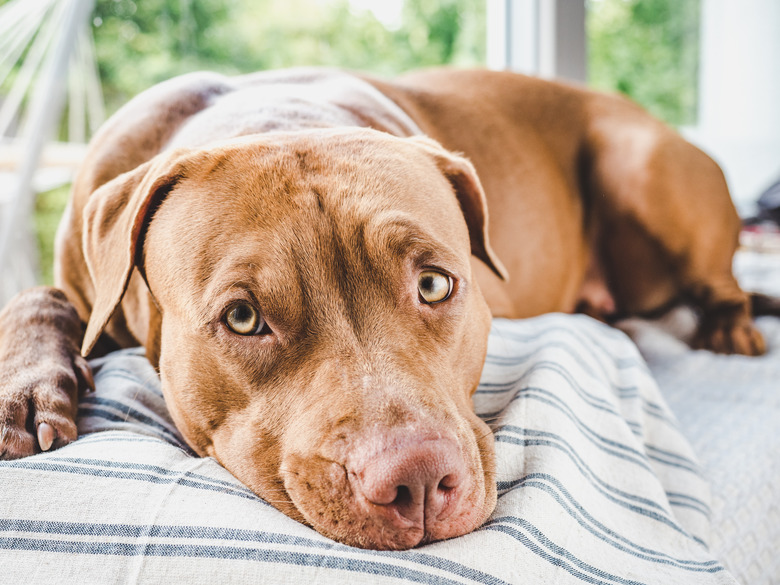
(439, 32)
(648, 50)
(141, 43)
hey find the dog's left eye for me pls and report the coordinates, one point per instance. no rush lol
(434, 287)
(244, 319)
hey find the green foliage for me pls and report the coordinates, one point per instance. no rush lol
(648, 50)
(142, 43)
(48, 209)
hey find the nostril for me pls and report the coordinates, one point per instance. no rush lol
(403, 496)
(449, 482)
(407, 488)
(423, 480)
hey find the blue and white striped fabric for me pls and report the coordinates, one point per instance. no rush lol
(596, 485)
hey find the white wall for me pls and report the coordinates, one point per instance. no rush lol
(739, 93)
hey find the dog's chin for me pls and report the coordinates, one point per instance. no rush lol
(372, 531)
(376, 534)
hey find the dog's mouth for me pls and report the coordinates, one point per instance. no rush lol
(390, 475)
(416, 490)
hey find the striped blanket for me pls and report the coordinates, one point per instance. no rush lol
(596, 484)
(729, 407)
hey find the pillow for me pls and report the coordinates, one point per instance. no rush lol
(596, 484)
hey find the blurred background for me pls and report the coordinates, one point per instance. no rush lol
(709, 67)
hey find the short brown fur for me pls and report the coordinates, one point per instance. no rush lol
(319, 197)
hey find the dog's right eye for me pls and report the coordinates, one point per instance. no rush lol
(434, 287)
(244, 319)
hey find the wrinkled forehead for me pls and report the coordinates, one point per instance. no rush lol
(284, 202)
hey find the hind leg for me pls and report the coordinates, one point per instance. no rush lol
(669, 232)
(705, 273)
(726, 323)
(693, 269)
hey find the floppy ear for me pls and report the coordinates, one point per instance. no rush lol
(114, 222)
(471, 197)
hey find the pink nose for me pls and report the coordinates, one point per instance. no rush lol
(418, 484)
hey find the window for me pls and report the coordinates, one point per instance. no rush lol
(709, 67)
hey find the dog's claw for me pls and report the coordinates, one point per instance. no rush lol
(45, 436)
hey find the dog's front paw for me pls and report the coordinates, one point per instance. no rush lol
(41, 373)
(735, 335)
(38, 408)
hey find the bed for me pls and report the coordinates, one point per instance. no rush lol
(619, 462)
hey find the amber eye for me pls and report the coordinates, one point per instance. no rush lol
(244, 319)
(434, 286)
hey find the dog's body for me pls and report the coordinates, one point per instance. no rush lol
(298, 261)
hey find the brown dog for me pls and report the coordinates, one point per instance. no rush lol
(296, 257)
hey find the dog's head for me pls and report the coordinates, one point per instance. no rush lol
(321, 334)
